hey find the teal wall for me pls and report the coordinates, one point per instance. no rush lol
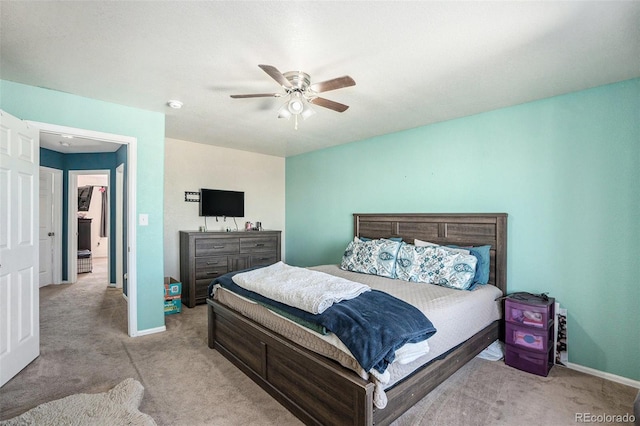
(48, 106)
(565, 169)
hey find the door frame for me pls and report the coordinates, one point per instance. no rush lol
(72, 227)
(57, 222)
(118, 222)
(132, 144)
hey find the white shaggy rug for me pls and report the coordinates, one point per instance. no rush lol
(119, 406)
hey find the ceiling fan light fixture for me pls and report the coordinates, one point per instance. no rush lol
(307, 112)
(283, 112)
(296, 104)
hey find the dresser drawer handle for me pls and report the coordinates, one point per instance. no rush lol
(260, 245)
(218, 247)
(213, 263)
(263, 258)
(212, 273)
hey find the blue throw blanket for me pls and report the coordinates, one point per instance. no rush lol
(373, 325)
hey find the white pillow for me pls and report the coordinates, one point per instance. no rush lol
(420, 243)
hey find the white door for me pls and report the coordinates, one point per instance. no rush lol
(46, 227)
(19, 298)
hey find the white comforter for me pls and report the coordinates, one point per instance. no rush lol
(311, 291)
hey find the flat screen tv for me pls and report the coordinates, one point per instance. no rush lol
(216, 202)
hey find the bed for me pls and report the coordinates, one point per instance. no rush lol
(319, 390)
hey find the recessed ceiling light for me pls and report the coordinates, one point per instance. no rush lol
(175, 104)
(67, 136)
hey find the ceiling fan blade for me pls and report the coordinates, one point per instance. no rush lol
(336, 106)
(257, 95)
(276, 75)
(336, 83)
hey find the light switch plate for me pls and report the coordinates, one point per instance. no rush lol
(143, 219)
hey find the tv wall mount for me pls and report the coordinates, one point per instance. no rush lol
(192, 197)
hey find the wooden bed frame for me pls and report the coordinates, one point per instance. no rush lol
(318, 390)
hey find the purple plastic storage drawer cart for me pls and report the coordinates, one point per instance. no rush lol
(529, 332)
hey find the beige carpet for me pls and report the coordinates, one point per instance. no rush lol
(85, 349)
(119, 406)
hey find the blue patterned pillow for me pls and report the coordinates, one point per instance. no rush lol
(482, 253)
(436, 265)
(375, 257)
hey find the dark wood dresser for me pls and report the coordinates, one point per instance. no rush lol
(207, 255)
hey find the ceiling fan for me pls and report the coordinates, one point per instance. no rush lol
(300, 93)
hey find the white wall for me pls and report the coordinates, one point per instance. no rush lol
(99, 245)
(190, 166)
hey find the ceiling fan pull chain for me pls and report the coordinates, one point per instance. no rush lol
(296, 126)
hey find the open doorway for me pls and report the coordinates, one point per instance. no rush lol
(90, 224)
(65, 138)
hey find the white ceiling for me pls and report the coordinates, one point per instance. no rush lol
(414, 63)
(69, 144)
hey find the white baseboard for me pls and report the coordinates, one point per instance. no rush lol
(151, 331)
(603, 375)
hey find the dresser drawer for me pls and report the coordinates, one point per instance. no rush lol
(263, 259)
(528, 338)
(201, 288)
(530, 315)
(258, 244)
(210, 263)
(213, 246)
(534, 362)
(212, 272)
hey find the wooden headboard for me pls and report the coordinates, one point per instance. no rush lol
(475, 229)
